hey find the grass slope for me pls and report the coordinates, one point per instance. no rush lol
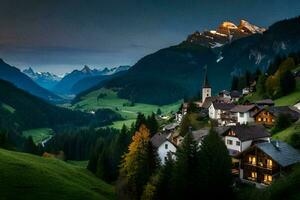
(290, 99)
(286, 134)
(24, 176)
(38, 135)
(90, 102)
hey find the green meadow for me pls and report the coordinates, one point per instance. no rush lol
(38, 135)
(24, 176)
(105, 98)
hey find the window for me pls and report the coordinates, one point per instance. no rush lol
(207, 95)
(229, 142)
(268, 178)
(269, 163)
(166, 146)
(252, 160)
(241, 114)
(265, 119)
(238, 143)
(253, 176)
(259, 119)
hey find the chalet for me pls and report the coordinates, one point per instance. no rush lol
(225, 94)
(265, 102)
(244, 113)
(220, 112)
(267, 116)
(239, 138)
(246, 91)
(164, 146)
(264, 162)
(235, 95)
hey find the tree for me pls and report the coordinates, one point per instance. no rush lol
(282, 122)
(30, 147)
(152, 124)
(185, 125)
(137, 165)
(141, 119)
(261, 85)
(215, 167)
(158, 112)
(287, 83)
(185, 177)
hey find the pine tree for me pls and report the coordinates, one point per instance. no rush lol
(261, 85)
(141, 119)
(137, 166)
(185, 177)
(152, 124)
(215, 167)
(287, 83)
(234, 83)
(30, 147)
(185, 125)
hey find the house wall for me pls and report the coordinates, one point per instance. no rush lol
(164, 149)
(244, 118)
(297, 106)
(212, 112)
(264, 117)
(234, 145)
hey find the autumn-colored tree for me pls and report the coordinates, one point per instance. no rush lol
(137, 166)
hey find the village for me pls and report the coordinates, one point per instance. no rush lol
(245, 128)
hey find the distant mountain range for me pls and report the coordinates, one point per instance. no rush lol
(44, 79)
(15, 76)
(66, 85)
(177, 72)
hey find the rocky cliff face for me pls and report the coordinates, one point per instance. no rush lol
(225, 33)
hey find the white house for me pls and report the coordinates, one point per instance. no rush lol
(244, 113)
(221, 112)
(163, 146)
(239, 138)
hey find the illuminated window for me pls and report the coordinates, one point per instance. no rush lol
(265, 119)
(252, 160)
(259, 119)
(268, 178)
(253, 176)
(269, 163)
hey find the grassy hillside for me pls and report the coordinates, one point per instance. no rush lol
(24, 176)
(290, 99)
(109, 99)
(286, 134)
(38, 135)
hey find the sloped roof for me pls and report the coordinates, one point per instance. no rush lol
(284, 154)
(199, 134)
(245, 132)
(235, 94)
(265, 102)
(242, 108)
(223, 106)
(158, 139)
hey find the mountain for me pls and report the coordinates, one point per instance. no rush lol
(66, 84)
(91, 81)
(15, 76)
(46, 80)
(20, 110)
(176, 72)
(225, 33)
(32, 177)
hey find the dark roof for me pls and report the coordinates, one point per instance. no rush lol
(245, 132)
(199, 134)
(158, 139)
(223, 106)
(265, 102)
(284, 154)
(243, 108)
(171, 126)
(235, 94)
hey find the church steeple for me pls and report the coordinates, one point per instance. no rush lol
(206, 89)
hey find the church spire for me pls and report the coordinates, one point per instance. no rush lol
(205, 83)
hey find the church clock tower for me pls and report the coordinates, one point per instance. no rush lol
(206, 89)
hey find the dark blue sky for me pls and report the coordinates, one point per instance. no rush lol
(57, 35)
